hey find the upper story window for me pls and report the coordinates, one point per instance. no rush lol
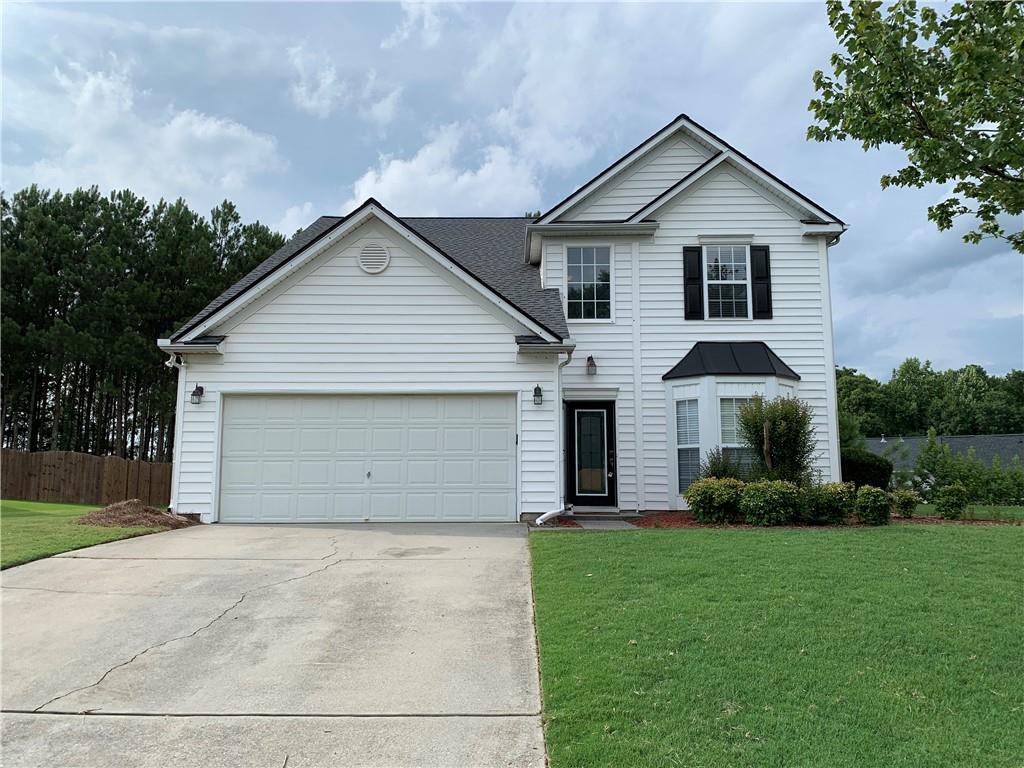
(728, 281)
(589, 289)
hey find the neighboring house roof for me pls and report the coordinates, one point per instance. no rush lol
(719, 145)
(904, 451)
(731, 358)
(490, 249)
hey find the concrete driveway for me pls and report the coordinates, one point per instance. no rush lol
(371, 645)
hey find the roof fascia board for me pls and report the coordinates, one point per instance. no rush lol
(467, 277)
(805, 202)
(679, 187)
(256, 290)
(369, 209)
(171, 346)
(612, 170)
(595, 228)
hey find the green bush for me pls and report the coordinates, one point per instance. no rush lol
(862, 467)
(718, 463)
(828, 504)
(905, 501)
(788, 450)
(770, 502)
(715, 499)
(873, 505)
(937, 467)
(951, 501)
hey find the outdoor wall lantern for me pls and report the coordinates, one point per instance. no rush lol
(591, 366)
(197, 395)
(538, 395)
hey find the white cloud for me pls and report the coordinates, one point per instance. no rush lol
(422, 19)
(317, 89)
(383, 111)
(432, 182)
(98, 135)
(296, 217)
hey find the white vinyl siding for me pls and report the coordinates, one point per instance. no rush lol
(333, 329)
(725, 204)
(687, 441)
(729, 203)
(637, 185)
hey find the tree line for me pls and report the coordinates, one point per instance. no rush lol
(87, 284)
(963, 401)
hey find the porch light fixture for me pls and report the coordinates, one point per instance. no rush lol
(538, 395)
(197, 395)
(591, 366)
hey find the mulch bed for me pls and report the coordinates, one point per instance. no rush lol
(134, 514)
(687, 520)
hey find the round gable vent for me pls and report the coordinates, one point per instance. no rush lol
(374, 258)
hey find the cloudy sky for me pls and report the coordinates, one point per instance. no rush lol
(298, 110)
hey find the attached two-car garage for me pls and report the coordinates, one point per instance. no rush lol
(352, 458)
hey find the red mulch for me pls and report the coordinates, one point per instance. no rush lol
(687, 520)
(134, 514)
(566, 522)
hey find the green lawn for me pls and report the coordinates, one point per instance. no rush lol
(896, 646)
(30, 530)
(978, 512)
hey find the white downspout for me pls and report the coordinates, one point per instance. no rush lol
(561, 443)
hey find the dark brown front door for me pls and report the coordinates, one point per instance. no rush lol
(590, 453)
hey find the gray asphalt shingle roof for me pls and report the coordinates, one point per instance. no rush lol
(903, 451)
(491, 249)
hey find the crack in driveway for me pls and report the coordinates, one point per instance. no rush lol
(214, 620)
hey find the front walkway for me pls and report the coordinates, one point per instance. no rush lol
(369, 645)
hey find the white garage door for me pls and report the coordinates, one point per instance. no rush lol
(315, 458)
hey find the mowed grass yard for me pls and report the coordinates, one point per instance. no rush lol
(894, 646)
(979, 512)
(30, 530)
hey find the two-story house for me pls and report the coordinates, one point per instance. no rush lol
(452, 369)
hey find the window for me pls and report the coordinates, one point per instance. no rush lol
(732, 444)
(590, 283)
(687, 442)
(728, 281)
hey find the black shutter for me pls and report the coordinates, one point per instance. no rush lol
(693, 283)
(761, 281)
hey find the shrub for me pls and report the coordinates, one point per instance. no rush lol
(718, 463)
(905, 501)
(862, 467)
(828, 504)
(770, 502)
(788, 449)
(873, 505)
(715, 499)
(937, 466)
(951, 501)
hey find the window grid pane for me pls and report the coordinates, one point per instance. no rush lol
(727, 281)
(689, 466)
(687, 425)
(589, 283)
(729, 408)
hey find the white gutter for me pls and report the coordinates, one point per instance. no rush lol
(173, 348)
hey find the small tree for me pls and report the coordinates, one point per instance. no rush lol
(780, 433)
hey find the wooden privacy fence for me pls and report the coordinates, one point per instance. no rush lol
(80, 478)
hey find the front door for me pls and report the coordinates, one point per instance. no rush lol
(590, 453)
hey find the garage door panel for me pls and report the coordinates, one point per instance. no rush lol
(349, 507)
(279, 440)
(353, 439)
(387, 439)
(315, 458)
